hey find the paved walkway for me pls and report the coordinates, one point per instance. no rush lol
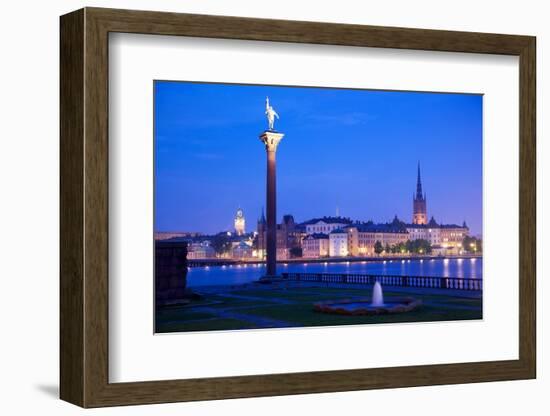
(259, 321)
(451, 306)
(219, 313)
(255, 298)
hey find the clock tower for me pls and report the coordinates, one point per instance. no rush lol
(239, 222)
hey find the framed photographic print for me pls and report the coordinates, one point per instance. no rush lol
(256, 207)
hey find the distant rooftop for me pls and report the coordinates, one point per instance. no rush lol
(317, 236)
(381, 228)
(328, 220)
(395, 226)
(434, 224)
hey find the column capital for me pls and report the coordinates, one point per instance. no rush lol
(271, 139)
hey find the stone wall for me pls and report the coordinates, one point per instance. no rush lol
(170, 272)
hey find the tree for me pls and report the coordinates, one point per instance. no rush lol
(387, 249)
(400, 248)
(378, 248)
(221, 243)
(425, 247)
(296, 252)
(421, 246)
(472, 244)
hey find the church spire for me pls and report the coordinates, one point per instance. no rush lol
(419, 184)
(420, 215)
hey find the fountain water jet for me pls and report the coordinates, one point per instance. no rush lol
(374, 306)
(377, 295)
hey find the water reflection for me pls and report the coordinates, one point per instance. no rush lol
(224, 275)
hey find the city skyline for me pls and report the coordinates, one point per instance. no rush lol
(351, 150)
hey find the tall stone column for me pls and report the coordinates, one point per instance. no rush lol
(271, 140)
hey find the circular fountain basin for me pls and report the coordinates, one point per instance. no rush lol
(365, 306)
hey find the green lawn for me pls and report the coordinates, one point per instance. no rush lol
(304, 315)
(297, 309)
(178, 314)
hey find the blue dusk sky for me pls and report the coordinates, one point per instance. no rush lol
(355, 150)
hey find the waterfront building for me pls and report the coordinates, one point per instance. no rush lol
(282, 237)
(338, 243)
(289, 236)
(261, 230)
(167, 235)
(420, 213)
(325, 225)
(315, 246)
(242, 251)
(439, 250)
(444, 235)
(362, 237)
(284, 231)
(200, 250)
(452, 235)
(340, 237)
(283, 253)
(430, 232)
(239, 221)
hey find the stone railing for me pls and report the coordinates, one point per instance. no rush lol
(455, 283)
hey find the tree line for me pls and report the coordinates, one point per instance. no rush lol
(421, 246)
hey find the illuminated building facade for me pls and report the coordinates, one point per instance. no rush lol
(200, 250)
(242, 251)
(363, 237)
(167, 235)
(289, 235)
(430, 232)
(261, 229)
(325, 225)
(315, 246)
(338, 243)
(240, 222)
(452, 235)
(341, 237)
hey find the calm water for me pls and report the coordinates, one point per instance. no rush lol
(224, 275)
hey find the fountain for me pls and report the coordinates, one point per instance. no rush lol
(374, 306)
(377, 295)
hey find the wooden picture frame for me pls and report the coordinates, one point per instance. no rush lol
(84, 207)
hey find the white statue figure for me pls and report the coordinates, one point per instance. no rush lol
(270, 113)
